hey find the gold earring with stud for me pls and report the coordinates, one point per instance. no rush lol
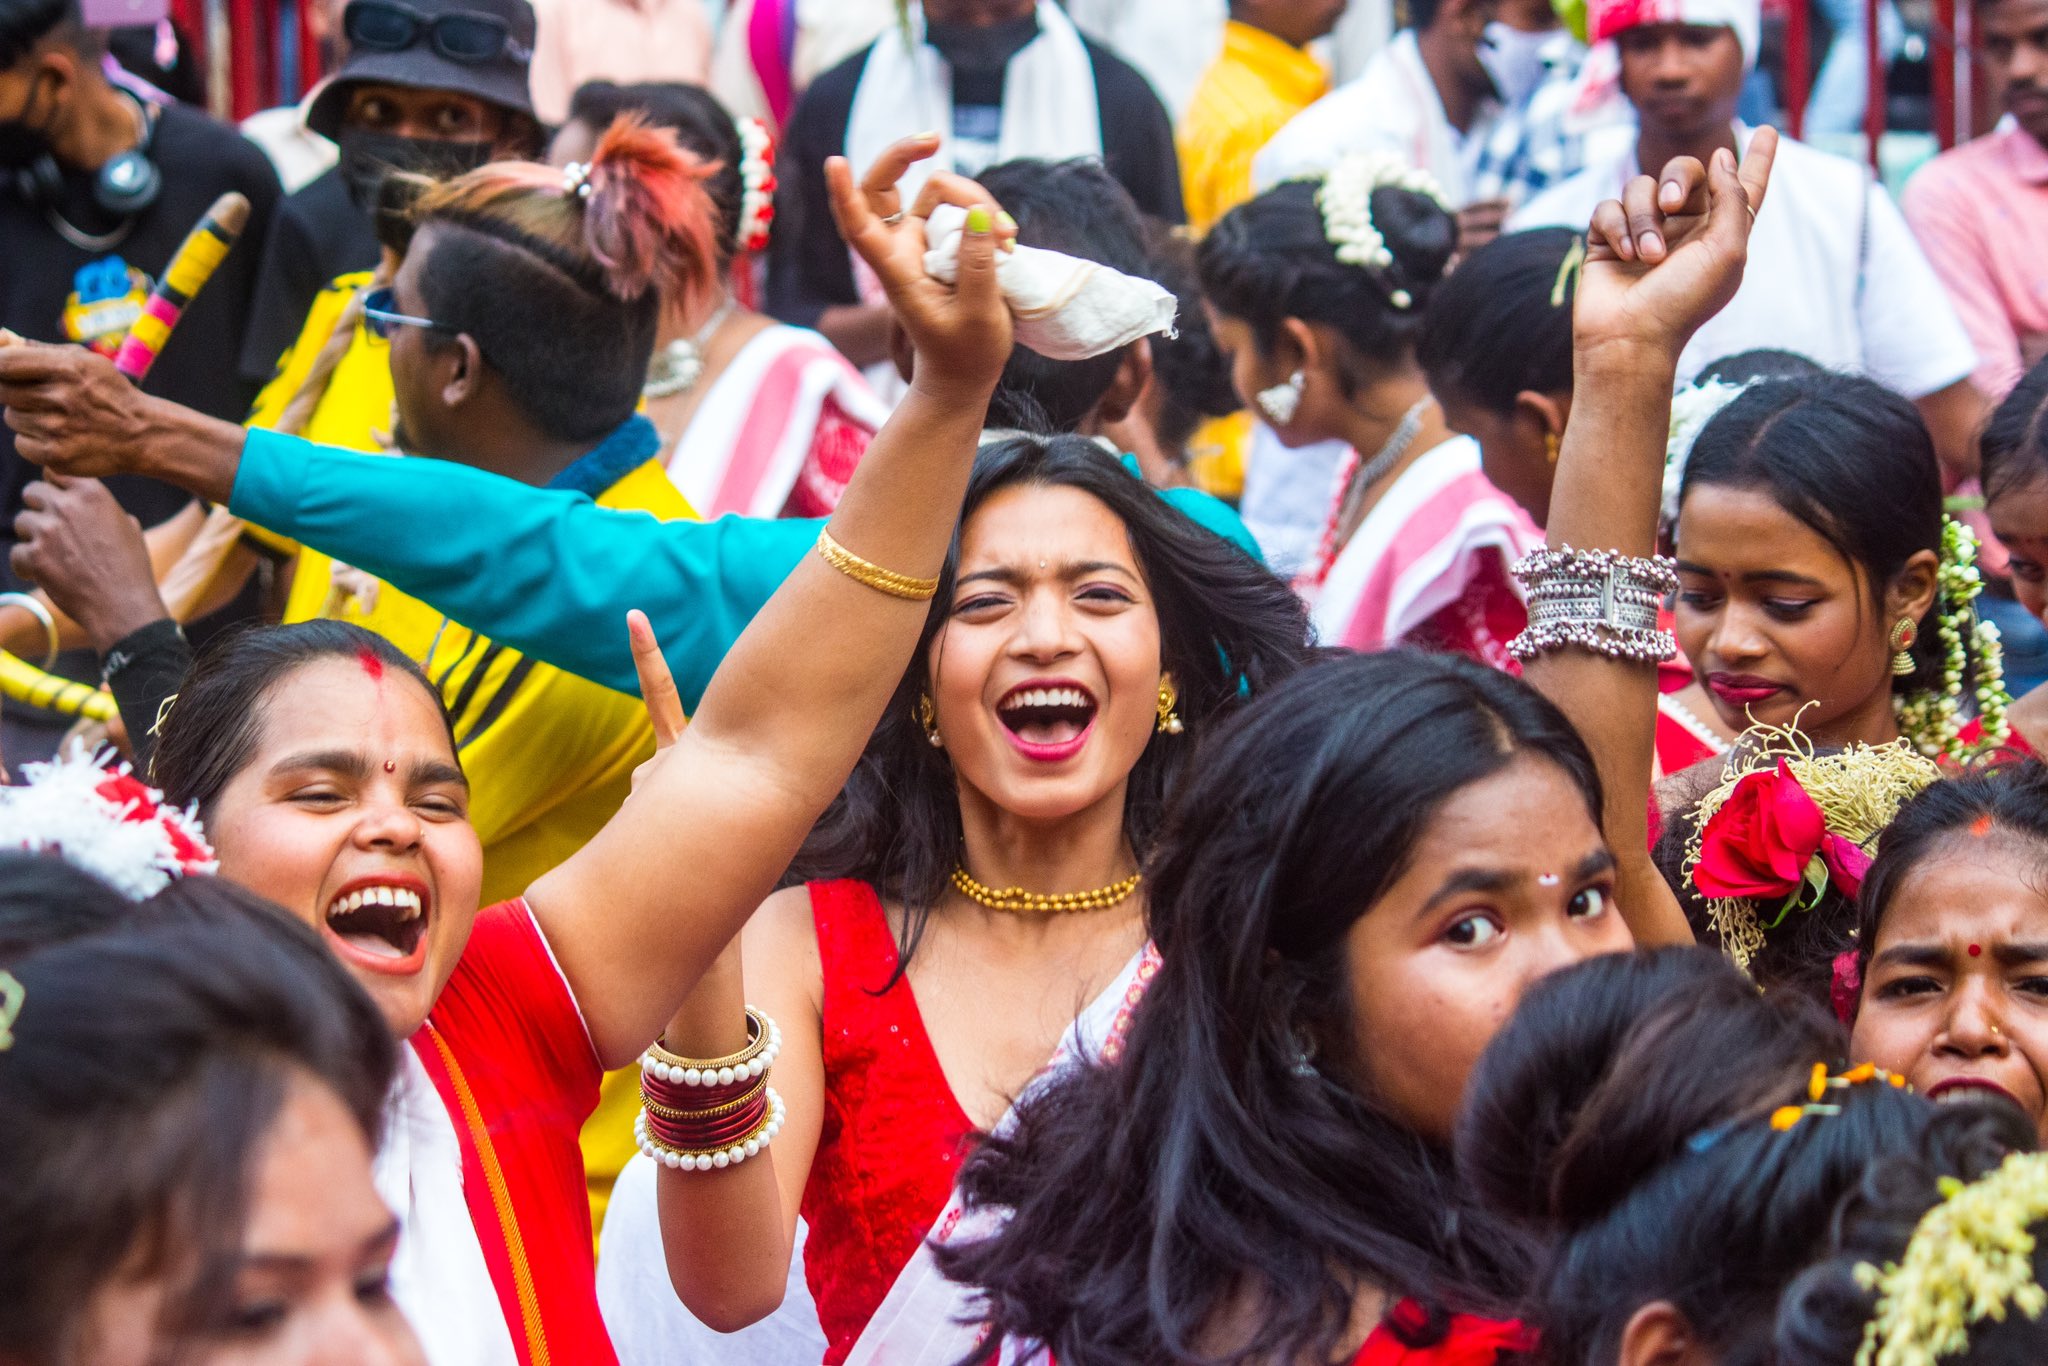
(928, 720)
(1902, 638)
(1169, 698)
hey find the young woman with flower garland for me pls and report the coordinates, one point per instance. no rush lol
(759, 417)
(975, 887)
(1317, 292)
(323, 762)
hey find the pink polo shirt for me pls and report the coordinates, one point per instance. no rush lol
(625, 41)
(1981, 214)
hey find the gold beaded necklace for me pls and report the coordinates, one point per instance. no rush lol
(1016, 899)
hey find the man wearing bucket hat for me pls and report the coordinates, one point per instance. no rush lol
(436, 87)
(1833, 272)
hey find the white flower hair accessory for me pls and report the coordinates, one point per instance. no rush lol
(1346, 201)
(757, 181)
(1691, 409)
(104, 821)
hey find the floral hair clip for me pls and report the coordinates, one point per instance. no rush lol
(1787, 825)
(1692, 408)
(1787, 1117)
(104, 821)
(1970, 1258)
(757, 182)
(1346, 201)
(576, 179)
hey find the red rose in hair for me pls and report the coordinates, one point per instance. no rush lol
(1758, 845)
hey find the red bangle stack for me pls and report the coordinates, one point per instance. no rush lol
(701, 1114)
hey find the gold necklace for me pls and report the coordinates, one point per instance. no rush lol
(1016, 899)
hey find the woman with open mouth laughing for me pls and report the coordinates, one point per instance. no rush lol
(323, 763)
(977, 885)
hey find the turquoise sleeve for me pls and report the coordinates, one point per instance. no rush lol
(548, 573)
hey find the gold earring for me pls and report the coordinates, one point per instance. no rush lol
(1169, 698)
(1551, 443)
(1902, 638)
(928, 719)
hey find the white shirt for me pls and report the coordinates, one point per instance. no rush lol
(1834, 275)
(1392, 106)
(651, 1327)
(438, 1276)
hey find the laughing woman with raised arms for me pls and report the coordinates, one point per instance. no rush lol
(322, 762)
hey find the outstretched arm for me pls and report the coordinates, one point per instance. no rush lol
(640, 913)
(1658, 264)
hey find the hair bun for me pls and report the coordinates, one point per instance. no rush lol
(1610, 1068)
(649, 220)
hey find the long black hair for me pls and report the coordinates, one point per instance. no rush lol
(150, 1058)
(1822, 1317)
(2014, 447)
(1227, 627)
(1624, 1115)
(1847, 458)
(1207, 1172)
(214, 725)
(1270, 259)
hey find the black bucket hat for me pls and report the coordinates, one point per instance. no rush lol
(476, 47)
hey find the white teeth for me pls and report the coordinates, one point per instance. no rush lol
(1047, 697)
(402, 899)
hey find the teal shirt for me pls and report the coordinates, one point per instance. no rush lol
(547, 571)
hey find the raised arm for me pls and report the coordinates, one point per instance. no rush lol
(1658, 264)
(642, 911)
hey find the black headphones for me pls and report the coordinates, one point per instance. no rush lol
(124, 187)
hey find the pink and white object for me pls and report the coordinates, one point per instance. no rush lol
(1606, 18)
(105, 821)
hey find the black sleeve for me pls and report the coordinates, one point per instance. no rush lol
(145, 669)
(1137, 136)
(809, 269)
(287, 283)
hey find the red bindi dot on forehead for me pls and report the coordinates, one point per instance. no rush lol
(1981, 826)
(372, 665)
(1976, 950)
(391, 766)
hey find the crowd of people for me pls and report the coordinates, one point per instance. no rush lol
(993, 682)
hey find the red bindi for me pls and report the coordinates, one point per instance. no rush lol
(391, 766)
(1976, 951)
(372, 665)
(1981, 826)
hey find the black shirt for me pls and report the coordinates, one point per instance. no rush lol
(809, 269)
(46, 280)
(319, 234)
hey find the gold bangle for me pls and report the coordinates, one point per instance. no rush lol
(873, 575)
(757, 1041)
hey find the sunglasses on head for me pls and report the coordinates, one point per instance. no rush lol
(381, 318)
(465, 36)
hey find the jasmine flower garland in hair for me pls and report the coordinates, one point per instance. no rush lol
(1692, 408)
(1932, 718)
(1346, 201)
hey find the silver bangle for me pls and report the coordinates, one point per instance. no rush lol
(29, 604)
(1596, 600)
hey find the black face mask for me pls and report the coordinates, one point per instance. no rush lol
(22, 145)
(368, 157)
(981, 48)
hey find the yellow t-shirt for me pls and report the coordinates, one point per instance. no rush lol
(550, 756)
(1246, 96)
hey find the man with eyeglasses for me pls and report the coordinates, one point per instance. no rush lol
(435, 87)
(98, 186)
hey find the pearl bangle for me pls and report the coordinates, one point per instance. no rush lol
(731, 1155)
(750, 1062)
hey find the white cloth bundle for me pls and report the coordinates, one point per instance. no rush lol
(1066, 308)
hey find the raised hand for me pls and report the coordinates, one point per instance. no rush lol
(657, 691)
(1669, 254)
(962, 332)
(71, 411)
(77, 544)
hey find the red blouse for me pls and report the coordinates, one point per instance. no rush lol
(507, 1050)
(893, 1134)
(1469, 1342)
